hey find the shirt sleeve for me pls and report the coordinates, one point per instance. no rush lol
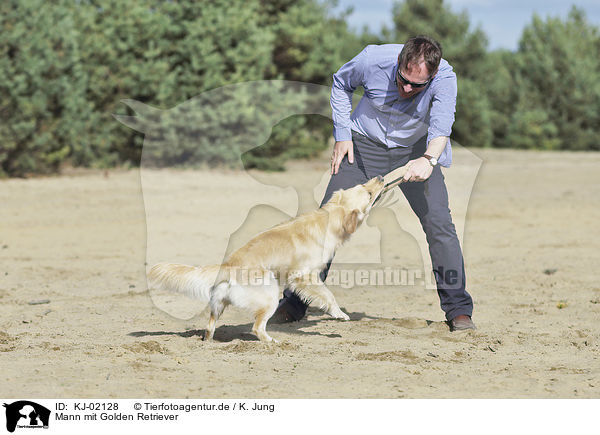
(345, 81)
(443, 107)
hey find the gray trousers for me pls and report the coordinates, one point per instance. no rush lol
(429, 201)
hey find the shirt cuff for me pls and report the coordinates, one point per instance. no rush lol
(340, 134)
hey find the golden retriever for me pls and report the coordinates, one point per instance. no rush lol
(289, 255)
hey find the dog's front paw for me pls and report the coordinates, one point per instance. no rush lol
(339, 314)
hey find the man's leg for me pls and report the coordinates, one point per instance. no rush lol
(429, 200)
(370, 160)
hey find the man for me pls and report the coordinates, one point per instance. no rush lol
(405, 116)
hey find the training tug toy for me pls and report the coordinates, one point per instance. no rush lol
(391, 180)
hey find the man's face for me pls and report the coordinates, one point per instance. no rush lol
(415, 73)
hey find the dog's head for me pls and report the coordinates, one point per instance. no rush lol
(356, 202)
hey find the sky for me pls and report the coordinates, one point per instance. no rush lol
(501, 20)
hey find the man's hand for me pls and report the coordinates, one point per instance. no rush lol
(340, 149)
(418, 170)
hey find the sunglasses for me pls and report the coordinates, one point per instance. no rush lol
(408, 82)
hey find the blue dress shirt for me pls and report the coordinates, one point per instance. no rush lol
(382, 114)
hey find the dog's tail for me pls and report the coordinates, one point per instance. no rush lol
(196, 282)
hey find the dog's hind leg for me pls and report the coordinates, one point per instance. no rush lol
(217, 305)
(260, 323)
(210, 329)
(319, 294)
(266, 308)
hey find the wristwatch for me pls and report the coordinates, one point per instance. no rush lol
(432, 160)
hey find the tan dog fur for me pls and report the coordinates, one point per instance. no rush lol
(288, 255)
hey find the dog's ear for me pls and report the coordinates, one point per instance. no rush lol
(351, 221)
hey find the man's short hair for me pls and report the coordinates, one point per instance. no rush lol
(421, 47)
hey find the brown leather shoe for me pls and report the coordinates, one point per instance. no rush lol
(461, 323)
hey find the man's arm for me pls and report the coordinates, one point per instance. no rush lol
(436, 146)
(441, 119)
(420, 169)
(345, 82)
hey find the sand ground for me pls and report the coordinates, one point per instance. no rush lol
(78, 243)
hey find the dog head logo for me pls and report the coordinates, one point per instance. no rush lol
(218, 127)
(26, 414)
